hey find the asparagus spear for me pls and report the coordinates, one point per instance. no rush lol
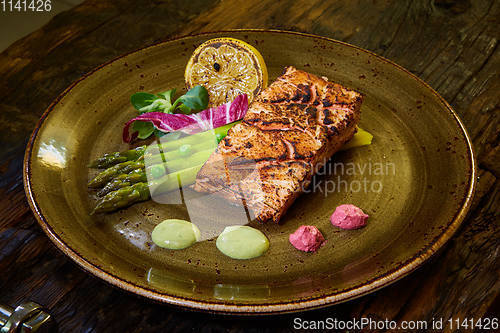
(171, 181)
(108, 174)
(195, 139)
(179, 164)
(115, 158)
(178, 153)
(110, 159)
(122, 198)
(123, 180)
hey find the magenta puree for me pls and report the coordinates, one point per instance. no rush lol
(307, 238)
(348, 217)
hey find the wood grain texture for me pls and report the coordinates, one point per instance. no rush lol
(451, 44)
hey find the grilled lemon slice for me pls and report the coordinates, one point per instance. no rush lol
(227, 67)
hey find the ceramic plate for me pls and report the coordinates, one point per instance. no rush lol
(416, 182)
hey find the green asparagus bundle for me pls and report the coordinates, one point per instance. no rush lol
(124, 182)
(130, 194)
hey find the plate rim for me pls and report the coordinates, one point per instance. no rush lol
(356, 291)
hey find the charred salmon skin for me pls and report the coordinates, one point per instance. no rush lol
(288, 133)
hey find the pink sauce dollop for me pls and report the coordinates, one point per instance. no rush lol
(348, 217)
(307, 238)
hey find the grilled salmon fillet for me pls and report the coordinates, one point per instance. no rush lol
(288, 133)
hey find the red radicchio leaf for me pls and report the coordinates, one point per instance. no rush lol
(196, 122)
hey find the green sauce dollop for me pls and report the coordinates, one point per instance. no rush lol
(242, 242)
(175, 234)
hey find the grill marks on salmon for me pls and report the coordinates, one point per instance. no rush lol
(288, 133)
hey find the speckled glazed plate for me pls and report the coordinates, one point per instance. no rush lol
(416, 182)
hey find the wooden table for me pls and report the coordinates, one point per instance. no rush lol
(451, 44)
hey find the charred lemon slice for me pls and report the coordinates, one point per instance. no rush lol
(227, 67)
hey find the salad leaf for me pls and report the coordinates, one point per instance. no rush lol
(192, 123)
(158, 134)
(168, 95)
(195, 99)
(184, 109)
(144, 129)
(141, 99)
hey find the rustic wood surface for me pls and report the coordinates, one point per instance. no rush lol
(451, 44)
